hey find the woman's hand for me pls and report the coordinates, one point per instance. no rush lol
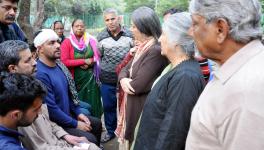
(127, 88)
(84, 67)
(88, 61)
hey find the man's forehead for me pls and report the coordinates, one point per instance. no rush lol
(25, 54)
(197, 16)
(8, 3)
(110, 15)
(50, 41)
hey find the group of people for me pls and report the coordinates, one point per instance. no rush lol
(149, 81)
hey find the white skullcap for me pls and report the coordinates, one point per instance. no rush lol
(45, 35)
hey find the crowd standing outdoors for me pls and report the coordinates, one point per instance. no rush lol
(53, 92)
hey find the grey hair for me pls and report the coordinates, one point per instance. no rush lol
(176, 28)
(9, 53)
(147, 22)
(243, 16)
(110, 11)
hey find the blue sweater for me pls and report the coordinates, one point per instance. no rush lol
(60, 105)
(9, 139)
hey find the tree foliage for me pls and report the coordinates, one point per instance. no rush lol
(131, 5)
(159, 5)
(79, 7)
(164, 5)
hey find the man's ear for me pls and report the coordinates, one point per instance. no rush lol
(16, 114)
(119, 18)
(39, 50)
(12, 68)
(222, 30)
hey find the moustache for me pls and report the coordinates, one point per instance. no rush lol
(11, 18)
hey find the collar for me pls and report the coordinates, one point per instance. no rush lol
(238, 60)
(3, 25)
(118, 35)
(9, 132)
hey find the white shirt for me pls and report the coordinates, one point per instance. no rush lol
(229, 114)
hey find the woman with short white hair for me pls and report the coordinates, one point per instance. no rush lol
(166, 115)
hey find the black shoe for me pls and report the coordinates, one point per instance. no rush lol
(106, 138)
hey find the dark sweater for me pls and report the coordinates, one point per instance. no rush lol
(60, 105)
(113, 50)
(166, 115)
(11, 32)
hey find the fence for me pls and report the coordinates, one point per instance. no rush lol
(94, 23)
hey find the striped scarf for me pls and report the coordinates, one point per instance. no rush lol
(72, 87)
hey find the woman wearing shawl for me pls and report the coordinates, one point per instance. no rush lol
(139, 74)
(80, 54)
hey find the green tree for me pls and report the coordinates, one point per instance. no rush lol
(131, 5)
(164, 5)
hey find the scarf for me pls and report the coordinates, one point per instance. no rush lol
(81, 46)
(121, 123)
(142, 49)
(72, 87)
(82, 43)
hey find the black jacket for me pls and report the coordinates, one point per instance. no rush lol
(166, 115)
(11, 32)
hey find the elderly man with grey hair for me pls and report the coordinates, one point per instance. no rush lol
(114, 42)
(166, 114)
(229, 114)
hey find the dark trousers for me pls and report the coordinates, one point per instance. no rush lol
(93, 136)
(108, 93)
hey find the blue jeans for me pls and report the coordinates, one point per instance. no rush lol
(108, 93)
(85, 108)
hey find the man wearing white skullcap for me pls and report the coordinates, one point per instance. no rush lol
(45, 35)
(44, 132)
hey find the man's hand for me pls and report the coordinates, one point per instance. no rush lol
(125, 84)
(83, 118)
(74, 140)
(84, 126)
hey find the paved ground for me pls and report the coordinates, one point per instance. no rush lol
(111, 145)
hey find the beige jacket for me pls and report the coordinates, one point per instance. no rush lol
(44, 134)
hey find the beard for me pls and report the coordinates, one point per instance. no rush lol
(24, 122)
(54, 56)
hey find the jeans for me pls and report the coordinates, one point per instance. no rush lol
(85, 108)
(94, 135)
(108, 93)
